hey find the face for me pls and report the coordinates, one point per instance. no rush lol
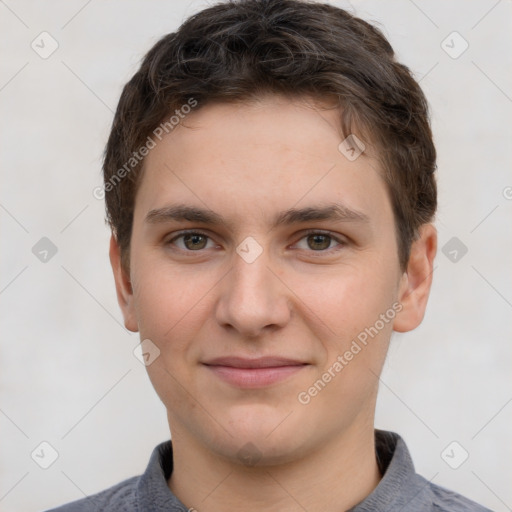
(264, 269)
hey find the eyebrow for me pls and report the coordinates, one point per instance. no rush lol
(332, 212)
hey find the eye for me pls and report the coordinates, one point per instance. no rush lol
(318, 241)
(313, 241)
(191, 241)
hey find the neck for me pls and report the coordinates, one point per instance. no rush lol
(337, 476)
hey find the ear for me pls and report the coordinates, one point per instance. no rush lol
(123, 287)
(416, 281)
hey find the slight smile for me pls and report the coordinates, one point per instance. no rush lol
(254, 373)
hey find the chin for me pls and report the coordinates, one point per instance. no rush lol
(258, 452)
(262, 437)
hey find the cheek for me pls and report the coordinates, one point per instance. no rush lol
(171, 308)
(170, 304)
(343, 301)
(347, 305)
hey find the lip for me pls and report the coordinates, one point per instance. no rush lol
(254, 373)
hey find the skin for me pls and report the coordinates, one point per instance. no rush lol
(299, 299)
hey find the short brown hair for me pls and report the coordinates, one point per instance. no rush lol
(241, 49)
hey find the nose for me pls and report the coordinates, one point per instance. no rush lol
(253, 300)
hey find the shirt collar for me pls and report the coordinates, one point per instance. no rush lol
(400, 488)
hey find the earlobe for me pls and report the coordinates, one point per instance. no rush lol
(124, 288)
(416, 282)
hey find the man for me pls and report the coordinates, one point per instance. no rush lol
(269, 183)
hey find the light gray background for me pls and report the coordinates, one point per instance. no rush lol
(67, 372)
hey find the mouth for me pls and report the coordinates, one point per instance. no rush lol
(254, 373)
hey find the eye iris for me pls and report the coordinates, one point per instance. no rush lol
(319, 242)
(194, 241)
(198, 241)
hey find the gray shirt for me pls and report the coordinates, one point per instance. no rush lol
(400, 489)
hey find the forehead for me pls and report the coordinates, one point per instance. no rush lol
(264, 155)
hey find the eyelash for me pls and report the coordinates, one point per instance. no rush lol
(341, 243)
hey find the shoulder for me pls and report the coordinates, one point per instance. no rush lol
(120, 498)
(445, 500)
